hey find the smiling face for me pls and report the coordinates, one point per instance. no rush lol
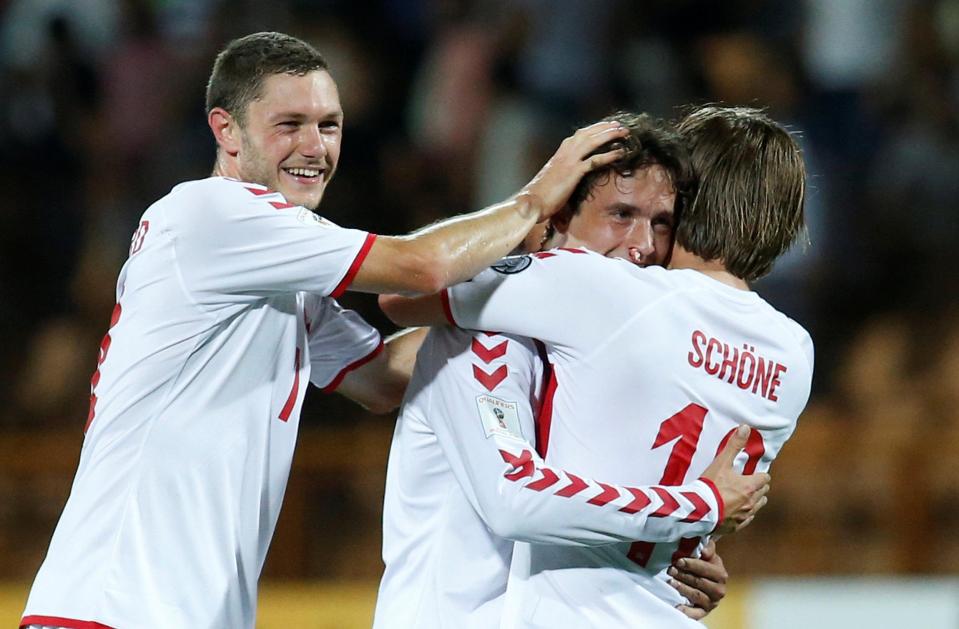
(289, 138)
(626, 217)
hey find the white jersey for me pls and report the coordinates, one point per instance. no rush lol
(444, 566)
(225, 311)
(464, 477)
(653, 369)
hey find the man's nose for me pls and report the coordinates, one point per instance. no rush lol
(640, 243)
(311, 142)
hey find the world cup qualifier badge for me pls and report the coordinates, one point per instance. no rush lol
(499, 417)
(512, 265)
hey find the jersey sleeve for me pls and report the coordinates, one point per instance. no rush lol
(776, 428)
(339, 341)
(482, 420)
(537, 296)
(239, 239)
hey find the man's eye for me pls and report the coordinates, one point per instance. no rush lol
(289, 124)
(330, 125)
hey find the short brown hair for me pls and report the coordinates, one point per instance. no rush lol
(241, 67)
(748, 208)
(650, 142)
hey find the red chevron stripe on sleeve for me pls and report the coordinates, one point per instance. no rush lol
(670, 504)
(549, 479)
(640, 501)
(701, 507)
(609, 494)
(524, 462)
(524, 468)
(576, 485)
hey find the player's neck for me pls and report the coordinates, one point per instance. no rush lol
(225, 167)
(682, 259)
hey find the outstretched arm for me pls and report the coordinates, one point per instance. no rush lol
(458, 248)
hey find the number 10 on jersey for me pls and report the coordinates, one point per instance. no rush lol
(685, 428)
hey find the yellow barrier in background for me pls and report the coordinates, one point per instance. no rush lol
(770, 603)
(323, 605)
(313, 605)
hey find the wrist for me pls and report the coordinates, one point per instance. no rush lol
(720, 503)
(529, 206)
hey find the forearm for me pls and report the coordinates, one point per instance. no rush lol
(545, 504)
(379, 385)
(447, 252)
(402, 348)
(456, 249)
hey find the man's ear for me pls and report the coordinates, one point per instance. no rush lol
(225, 129)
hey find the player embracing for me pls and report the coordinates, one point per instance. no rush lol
(225, 312)
(652, 369)
(471, 403)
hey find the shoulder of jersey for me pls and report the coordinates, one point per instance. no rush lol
(603, 264)
(213, 189)
(227, 193)
(566, 253)
(794, 327)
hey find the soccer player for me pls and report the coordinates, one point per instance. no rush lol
(652, 369)
(468, 415)
(225, 310)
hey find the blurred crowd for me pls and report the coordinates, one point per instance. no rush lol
(454, 104)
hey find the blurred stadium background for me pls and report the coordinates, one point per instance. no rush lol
(452, 104)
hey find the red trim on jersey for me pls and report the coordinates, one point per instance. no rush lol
(447, 311)
(640, 501)
(257, 191)
(719, 499)
(702, 507)
(488, 354)
(282, 205)
(356, 364)
(355, 267)
(544, 419)
(291, 401)
(576, 485)
(609, 494)
(549, 479)
(524, 462)
(490, 380)
(670, 504)
(54, 621)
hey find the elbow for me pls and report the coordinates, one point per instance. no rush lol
(381, 407)
(427, 271)
(507, 525)
(392, 307)
(387, 399)
(409, 312)
(431, 277)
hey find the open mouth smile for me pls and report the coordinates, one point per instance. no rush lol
(305, 175)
